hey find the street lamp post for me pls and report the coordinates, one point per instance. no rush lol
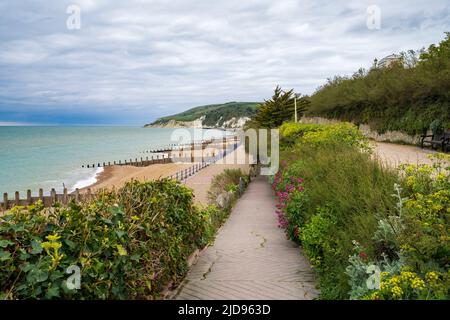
(295, 109)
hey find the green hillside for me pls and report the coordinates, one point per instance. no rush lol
(215, 114)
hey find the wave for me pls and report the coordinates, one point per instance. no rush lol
(88, 181)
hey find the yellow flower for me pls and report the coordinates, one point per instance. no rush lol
(418, 284)
(397, 292)
(135, 218)
(394, 281)
(53, 237)
(407, 276)
(121, 250)
(410, 181)
(375, 296)
(432, 276)
(51, 245)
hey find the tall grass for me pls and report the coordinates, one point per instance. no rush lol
(356, 189)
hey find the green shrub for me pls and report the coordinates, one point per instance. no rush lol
(128, 244)
(214, 217)
(330, 134)
(426, 216)
(316, 236)
(290, 131)
(227, 181)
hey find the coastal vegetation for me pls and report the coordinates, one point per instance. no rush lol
(281, 107)
(370, 231)
(226, 187)
(214, 115)
(406, 96)
(129, 243)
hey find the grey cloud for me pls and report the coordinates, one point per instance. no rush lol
(167, 55)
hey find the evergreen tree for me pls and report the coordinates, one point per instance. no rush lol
(278, 109)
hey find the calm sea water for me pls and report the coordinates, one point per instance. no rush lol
(51, 157)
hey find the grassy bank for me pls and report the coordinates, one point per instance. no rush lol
(371, 232)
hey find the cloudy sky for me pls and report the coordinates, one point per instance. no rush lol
(132, 61)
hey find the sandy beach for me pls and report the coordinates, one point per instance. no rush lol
(116, 176)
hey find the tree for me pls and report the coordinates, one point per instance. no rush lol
(278, 109)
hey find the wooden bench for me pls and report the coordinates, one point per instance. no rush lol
(437, 140)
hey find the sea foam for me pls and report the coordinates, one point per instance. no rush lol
(89, 181)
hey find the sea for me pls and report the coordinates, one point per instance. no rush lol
(52, 157)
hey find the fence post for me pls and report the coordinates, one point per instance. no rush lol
(65, 196)
(17, 198)
(53, 196)
(41, 194)
(89, 194)
(77, 195)
(5, 201)
(29, 197)
(224, 145)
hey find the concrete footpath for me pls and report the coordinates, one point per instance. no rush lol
(251, 257)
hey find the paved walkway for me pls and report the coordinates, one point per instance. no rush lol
(394, 154)
(201, 181)
(251, 257)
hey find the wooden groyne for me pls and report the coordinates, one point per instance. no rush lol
(173, 151)
(137, 162)
(175, 146)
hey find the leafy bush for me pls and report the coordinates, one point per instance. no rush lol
(425, 238)
(331, 134)
(315, 236)
(127, 243)
(227, 181)
(214, 217)
(364, 273)
(292, 130)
